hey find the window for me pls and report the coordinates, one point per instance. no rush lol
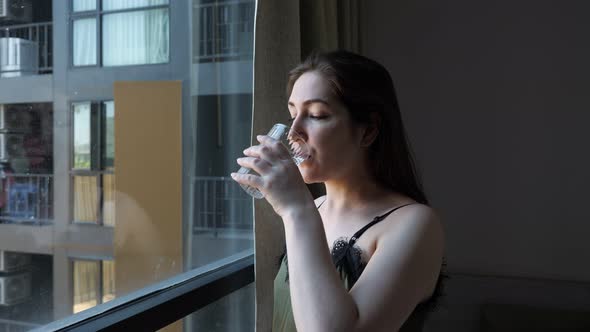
(93, 162)
(180, 220)
(26, 163)
(93, 283)
(120, 33)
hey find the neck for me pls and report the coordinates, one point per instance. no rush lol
(352, 191)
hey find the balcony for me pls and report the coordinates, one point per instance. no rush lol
(225, 31)
(26, 49)
(26, 199)
(220, 205)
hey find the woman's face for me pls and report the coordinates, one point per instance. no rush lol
(325, 124)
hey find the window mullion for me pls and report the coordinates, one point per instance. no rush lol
(100, 282)
(99, 38)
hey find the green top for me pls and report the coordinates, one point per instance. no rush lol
(283, 320)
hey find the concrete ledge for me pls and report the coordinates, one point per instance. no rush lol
(26, 238)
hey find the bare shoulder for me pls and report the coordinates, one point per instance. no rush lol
(415, 221)
(409, 254)
(416, 213)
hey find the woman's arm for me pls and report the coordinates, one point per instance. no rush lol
(401, 273)
(318, 297)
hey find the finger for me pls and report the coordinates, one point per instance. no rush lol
(275, 145)
(248, 179)
(263, 152)
(256, 164)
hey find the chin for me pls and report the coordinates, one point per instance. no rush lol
(309, 176)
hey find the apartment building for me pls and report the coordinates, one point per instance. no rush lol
(73, 77)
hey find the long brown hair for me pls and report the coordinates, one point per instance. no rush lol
(365, 88)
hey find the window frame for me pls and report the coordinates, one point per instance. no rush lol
(166, 302)
(100, 278)
(99, 172)
(98, 14)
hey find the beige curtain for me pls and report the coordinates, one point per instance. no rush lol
(329, 24)
(276, 50)
(285, 32)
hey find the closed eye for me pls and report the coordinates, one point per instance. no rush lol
(319, 117)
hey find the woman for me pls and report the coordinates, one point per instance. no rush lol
(333, 279)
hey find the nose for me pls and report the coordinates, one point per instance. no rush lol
(298, 127)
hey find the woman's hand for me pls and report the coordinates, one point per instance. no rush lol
(279, 178)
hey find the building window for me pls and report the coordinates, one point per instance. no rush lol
(93, 168)
(26, 163)
(94, 283)
(120, 33)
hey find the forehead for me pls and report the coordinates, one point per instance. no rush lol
(310, 85)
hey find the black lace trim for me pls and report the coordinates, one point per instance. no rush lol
(347, 259)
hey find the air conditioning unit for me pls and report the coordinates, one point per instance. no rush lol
(15, 288)
(18, 57)
(13, 261)
(16, 11)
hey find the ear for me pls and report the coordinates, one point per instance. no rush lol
(371, 130)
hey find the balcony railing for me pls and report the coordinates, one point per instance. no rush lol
(26, 198)
(226, 31)
(220, 204)
(26, 49)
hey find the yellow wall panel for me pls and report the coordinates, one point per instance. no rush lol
(148, 189)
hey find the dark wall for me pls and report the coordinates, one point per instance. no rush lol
(495, 99)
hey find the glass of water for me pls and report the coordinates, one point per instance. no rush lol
(298, 149)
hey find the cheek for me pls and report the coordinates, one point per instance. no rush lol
(335, 145)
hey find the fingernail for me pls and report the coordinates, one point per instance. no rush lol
(233, 175)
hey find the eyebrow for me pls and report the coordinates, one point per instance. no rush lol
(312, 101)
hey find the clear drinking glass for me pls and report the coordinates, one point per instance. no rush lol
(296, 146)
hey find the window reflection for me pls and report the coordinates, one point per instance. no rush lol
(58, 201)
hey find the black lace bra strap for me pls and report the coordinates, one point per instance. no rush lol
(376, 220)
